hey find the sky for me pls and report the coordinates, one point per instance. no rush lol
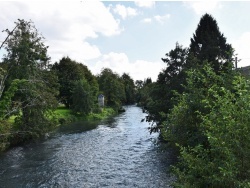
(126, 36)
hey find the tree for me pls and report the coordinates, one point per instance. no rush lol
(129, 85)
(112, 87)
(211, 126)
(170, 81)
(208, 43)
(69, 71)
(138, 88)
(173, 77)
(143, 92)
(82, 97)
(27, 60)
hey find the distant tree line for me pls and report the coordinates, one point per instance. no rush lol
(200, 104)
(31, 87)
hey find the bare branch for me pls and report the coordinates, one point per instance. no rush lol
(9, 33)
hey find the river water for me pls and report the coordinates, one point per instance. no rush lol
(118, 152)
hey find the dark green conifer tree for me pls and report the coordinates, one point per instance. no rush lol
(209, 44)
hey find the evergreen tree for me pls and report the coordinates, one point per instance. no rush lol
(209, 44)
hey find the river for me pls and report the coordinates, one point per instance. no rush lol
(118, 152)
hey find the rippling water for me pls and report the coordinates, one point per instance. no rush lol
(116, 153)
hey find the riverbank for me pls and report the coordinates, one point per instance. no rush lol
(12, 136)
(63, 115)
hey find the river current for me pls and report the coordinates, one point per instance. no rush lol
(118, 152)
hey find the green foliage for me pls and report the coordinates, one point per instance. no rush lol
(65, 115)
(5, 129)
(210, 124)
(35, 103)
(30, 87)
(68, 72)
(102, 114)
(129, 87)
(143, 90)
(83, 98)
(189, 104)
(26, 52)
(208, 43)
(112, 87)
(183, 121)
(7, 106)
(169, 81)
(3, 76)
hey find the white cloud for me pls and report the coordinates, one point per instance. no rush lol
(65, 25)
(242, 48)
(147, 20)
(119, 63)
(144, 3)
(158, 18)
(75, 49)
(201, 7)
(116, 61)
(125, 12)
(144, 69)
(162, 19)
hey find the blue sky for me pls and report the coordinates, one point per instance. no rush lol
(129, 37)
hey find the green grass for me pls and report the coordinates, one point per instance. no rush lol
(64, 115)
(62, 112)
(105, 113)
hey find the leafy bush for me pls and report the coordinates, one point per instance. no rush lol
(211, 125)
(4, 134)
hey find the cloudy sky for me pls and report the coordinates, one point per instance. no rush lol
(126, 36)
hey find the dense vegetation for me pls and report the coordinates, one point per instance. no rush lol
(200, 105)
(33, 90)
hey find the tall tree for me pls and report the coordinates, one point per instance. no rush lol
(27, 61)
(69, 71)
(169, 81)
(129, 88)
(208, 43)
(112, 88)
(82, 97)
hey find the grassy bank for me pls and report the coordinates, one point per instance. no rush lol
(64, 115)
